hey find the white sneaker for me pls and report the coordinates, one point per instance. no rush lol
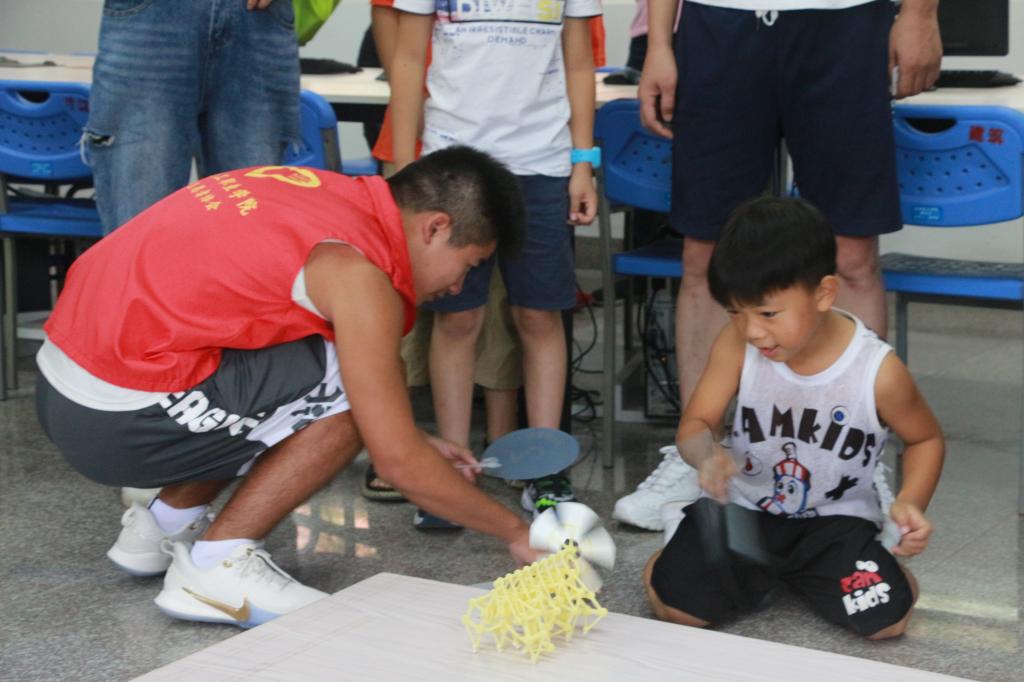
(137, 549)
(673, 481)
(246, 589)
(141, 495)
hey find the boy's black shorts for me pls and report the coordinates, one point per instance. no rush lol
(834, 562)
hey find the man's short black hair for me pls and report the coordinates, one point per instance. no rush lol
(769, 244)
(478, 193)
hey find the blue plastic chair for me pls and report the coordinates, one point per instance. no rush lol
(318, 146)
(636, 172)
(958, 166)
(40, 129)
(318, 135)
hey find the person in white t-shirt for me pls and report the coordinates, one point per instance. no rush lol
(817, 394)
(514, 79)
(738, 76)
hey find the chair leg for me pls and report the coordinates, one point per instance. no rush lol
(1020, 463)
(3, 334)
(608, 376)
(901, 327)
(901, 352)
(10, 315)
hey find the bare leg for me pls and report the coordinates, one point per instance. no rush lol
(698, 317)
(544, 364)
(452, 364)
(661, 610)
(862, 291)
(286, 476)
(501, 412)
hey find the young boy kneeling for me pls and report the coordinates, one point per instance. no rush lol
(817, 394)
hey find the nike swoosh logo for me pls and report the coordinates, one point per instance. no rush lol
(241, 614)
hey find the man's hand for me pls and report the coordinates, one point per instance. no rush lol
(258, 4)
(521, 551)
(714, 473)
(916, 48)
(456, 454)
(915, 527)
(657, 91)
(582, 195)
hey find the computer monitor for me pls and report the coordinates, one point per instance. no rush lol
(975, 28)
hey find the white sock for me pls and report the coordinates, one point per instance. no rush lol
(170, 519)
(208, 553)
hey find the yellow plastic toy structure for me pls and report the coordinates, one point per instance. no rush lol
(528, 607)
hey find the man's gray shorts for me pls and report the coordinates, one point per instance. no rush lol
(213, 431)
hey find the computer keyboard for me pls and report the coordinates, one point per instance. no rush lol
(975, 79)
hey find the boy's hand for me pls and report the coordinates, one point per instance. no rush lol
(915, 527)
(456, 454)
(715, 472)
(582, 195)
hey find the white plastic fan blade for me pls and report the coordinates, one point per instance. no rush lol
(598, 547)
(576, 518)
(546, 532)
(589, 576)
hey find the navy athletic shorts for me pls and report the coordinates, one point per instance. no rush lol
(819, 79)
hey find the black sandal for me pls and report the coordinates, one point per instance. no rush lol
(376, 488)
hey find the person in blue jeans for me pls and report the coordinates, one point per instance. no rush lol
(181, 79)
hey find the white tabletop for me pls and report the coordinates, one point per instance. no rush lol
(364, 88)
(392, 627)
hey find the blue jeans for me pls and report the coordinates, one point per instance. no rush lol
(177, 79)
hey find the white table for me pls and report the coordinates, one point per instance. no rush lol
(354, 90)
(392, 627)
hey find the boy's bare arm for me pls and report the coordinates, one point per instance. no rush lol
(579, 76)
(406, 78)
(901, 406)
(384, 22)
(703, 415)
(367, 315)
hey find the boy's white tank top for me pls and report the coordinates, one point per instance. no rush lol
(808, 445)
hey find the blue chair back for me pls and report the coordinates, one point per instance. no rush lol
(959, 165)
(318, 132)
(636, 164)
(40, 129)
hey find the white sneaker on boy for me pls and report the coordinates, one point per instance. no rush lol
(246, 589)
(137, 550)
(672, 481)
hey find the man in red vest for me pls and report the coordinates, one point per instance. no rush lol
(249, 324)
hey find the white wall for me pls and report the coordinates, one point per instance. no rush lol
(73, 26)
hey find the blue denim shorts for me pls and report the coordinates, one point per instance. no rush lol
(175, 80)
(543, 277)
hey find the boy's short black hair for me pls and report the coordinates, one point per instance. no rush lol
(769, 244)
(478, 193)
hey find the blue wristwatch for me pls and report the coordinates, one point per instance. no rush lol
(591, 156)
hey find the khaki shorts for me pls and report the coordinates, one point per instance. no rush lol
(498, 355)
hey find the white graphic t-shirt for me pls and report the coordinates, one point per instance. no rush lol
(497, 79)
(808, 445)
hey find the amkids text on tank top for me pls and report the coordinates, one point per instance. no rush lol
(807, 446)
